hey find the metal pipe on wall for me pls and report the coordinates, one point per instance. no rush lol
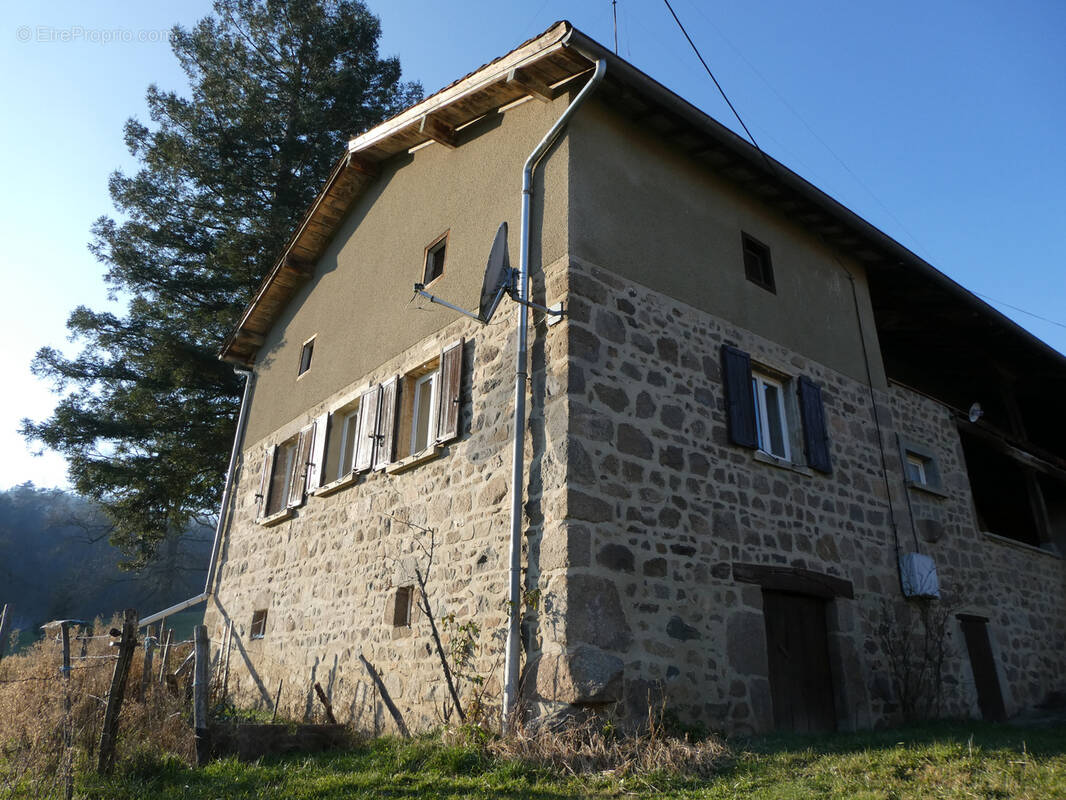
(510, 690)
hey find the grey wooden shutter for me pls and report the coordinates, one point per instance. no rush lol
(739, 397)
(366, 430)
(317, 468)
(300, 462)
(264, 482)
(815, 432)
(451, 372)
(386, 433)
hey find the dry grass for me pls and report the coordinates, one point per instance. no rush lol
(34, 723)
(594, 746)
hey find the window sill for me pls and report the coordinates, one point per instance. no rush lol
(276, 517)
(936, 491)
(337, 485)
(1032, 548)
(767, 458)
(410, 462)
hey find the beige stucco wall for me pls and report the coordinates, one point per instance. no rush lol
(650, 213)
(359, 303)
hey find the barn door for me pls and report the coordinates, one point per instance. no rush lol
(797, 646)
(989, 696)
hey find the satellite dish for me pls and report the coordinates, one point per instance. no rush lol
(497, 276)
(976, 412)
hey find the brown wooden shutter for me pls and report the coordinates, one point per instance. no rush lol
(739, 397)
(366, 430)
(451, 373)
(264, 482)
(386, 432)
(317, 468)
(300, 462)
(815, 432)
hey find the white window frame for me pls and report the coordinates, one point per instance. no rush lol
(759, 381)
(287, 450)
(349, 430)
(432, 378)
(917, 463)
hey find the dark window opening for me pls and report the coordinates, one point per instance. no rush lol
(757, 266)
(259, 624)
(1001, 496)
(305, 357)
(435, 259)
(401, 610)
(282, 476)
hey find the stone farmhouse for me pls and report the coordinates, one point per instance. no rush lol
(760, 440)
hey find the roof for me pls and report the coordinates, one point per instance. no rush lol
(912, 300)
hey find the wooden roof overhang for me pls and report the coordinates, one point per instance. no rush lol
(930, 327)
(538, 68)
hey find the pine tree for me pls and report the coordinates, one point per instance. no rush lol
(147, 412)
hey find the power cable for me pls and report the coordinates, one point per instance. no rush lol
(716, 83)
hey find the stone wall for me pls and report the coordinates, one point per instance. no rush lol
(1020, 589)
(661, 506)
(328, 575)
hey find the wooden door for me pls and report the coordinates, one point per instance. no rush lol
(801, 683)
(989, 696)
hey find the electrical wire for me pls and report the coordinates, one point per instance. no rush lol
(716, 83)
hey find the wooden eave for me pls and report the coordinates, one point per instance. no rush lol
(537, 68)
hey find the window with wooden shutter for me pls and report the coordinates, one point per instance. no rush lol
(451, 372)
(739, 397)
(264, 483)
(298, 474)
(316, 470)
(815, 432)
(366, 440)
(386, 427)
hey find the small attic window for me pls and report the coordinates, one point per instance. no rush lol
(305, 356)
(757, 266)
(435, 254)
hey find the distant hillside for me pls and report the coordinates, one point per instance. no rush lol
(56, 562)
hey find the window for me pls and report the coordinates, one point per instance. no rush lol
(435, 253)
(259, 624)
(771, 422)
(766, 411)
(401, 609)
(429, 405)
(285, 473)
(341, 442)
(757, 266)
(305, 356)
(920, 468)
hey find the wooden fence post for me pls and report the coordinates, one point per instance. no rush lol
(199, 694)
(68, 765)
(5, 620)
(164, 657)
(118, 687)
(146, 671)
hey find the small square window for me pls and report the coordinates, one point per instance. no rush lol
(435, 254)
(259, 624)
(915, 466)
(305, 356)
(401, 610)
(771, 420)
(757, 266)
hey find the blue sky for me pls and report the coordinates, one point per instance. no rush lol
(941, 123)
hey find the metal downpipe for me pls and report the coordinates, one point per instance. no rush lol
(223, 506)
(510, 690)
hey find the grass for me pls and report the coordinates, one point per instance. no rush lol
(934, 761)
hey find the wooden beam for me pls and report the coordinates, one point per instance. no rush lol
(437, 131)
(298, 267)
(530, 85)
(793, 579)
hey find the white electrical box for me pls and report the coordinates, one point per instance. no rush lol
(919, 575)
